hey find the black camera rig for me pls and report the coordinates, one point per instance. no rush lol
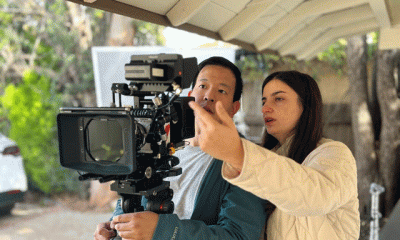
(133, 145)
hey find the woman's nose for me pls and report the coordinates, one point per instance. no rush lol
(265, 108)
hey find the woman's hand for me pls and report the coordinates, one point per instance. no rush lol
(220, 138)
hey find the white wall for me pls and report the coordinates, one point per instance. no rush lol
(109, 62)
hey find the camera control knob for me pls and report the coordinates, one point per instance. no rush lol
(149, 172)
(157, 101)
(133, 87)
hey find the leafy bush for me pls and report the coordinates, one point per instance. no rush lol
(335, 54)
(46, 38)
(31, 108)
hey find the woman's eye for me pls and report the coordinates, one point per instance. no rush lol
(278, 99)
(222, 91)
(202, 86)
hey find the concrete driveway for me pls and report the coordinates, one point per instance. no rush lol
(49, 223)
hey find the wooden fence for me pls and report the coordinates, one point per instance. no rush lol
(337, 123)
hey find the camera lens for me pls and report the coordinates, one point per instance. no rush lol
(105, 140)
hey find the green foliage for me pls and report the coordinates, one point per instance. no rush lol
(148, 34)
(45, 63)
(43, 50)
(31, 108)
(5, 18)
(255, 67)
(250, 68)
(335, 54)
(372, 40)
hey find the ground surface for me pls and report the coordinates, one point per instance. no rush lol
(66, 218)
(59, 219)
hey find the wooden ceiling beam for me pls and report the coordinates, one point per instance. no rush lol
(330, 36)
(306, 42)
(324, 22)
(298, 15)
(245, 18)
(184, 10)
(381, 12)
(389, 38)
(394, 12)
(126, 10)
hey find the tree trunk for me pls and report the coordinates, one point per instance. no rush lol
(80, 22)
(365, 154)
(121, 33)
(390, 132)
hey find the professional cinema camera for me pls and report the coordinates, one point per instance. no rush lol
(133, 145)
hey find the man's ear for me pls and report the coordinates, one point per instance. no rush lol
(235, 108)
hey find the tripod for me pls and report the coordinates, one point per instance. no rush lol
(159, 199)
(153, 188)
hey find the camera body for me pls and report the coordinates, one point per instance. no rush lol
(108, 141)
(133, 145)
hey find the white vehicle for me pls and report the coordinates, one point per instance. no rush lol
(13, 181)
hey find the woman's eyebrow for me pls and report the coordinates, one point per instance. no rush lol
(273, 94)
(277, 92)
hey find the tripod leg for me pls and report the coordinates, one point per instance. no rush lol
(130, 204)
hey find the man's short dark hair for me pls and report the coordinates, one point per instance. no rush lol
(223, 62)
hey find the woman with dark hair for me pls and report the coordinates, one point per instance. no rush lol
(309, 129)
(312, 181)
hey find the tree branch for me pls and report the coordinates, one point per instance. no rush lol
(23, 11)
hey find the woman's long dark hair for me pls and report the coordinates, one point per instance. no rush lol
(309, 128)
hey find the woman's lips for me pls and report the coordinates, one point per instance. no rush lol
(269, 121)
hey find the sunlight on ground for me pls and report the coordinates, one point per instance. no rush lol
(26, 210)
(24, 231)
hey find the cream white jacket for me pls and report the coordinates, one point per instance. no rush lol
(315, 200)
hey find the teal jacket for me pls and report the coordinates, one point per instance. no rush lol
(221, 211)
